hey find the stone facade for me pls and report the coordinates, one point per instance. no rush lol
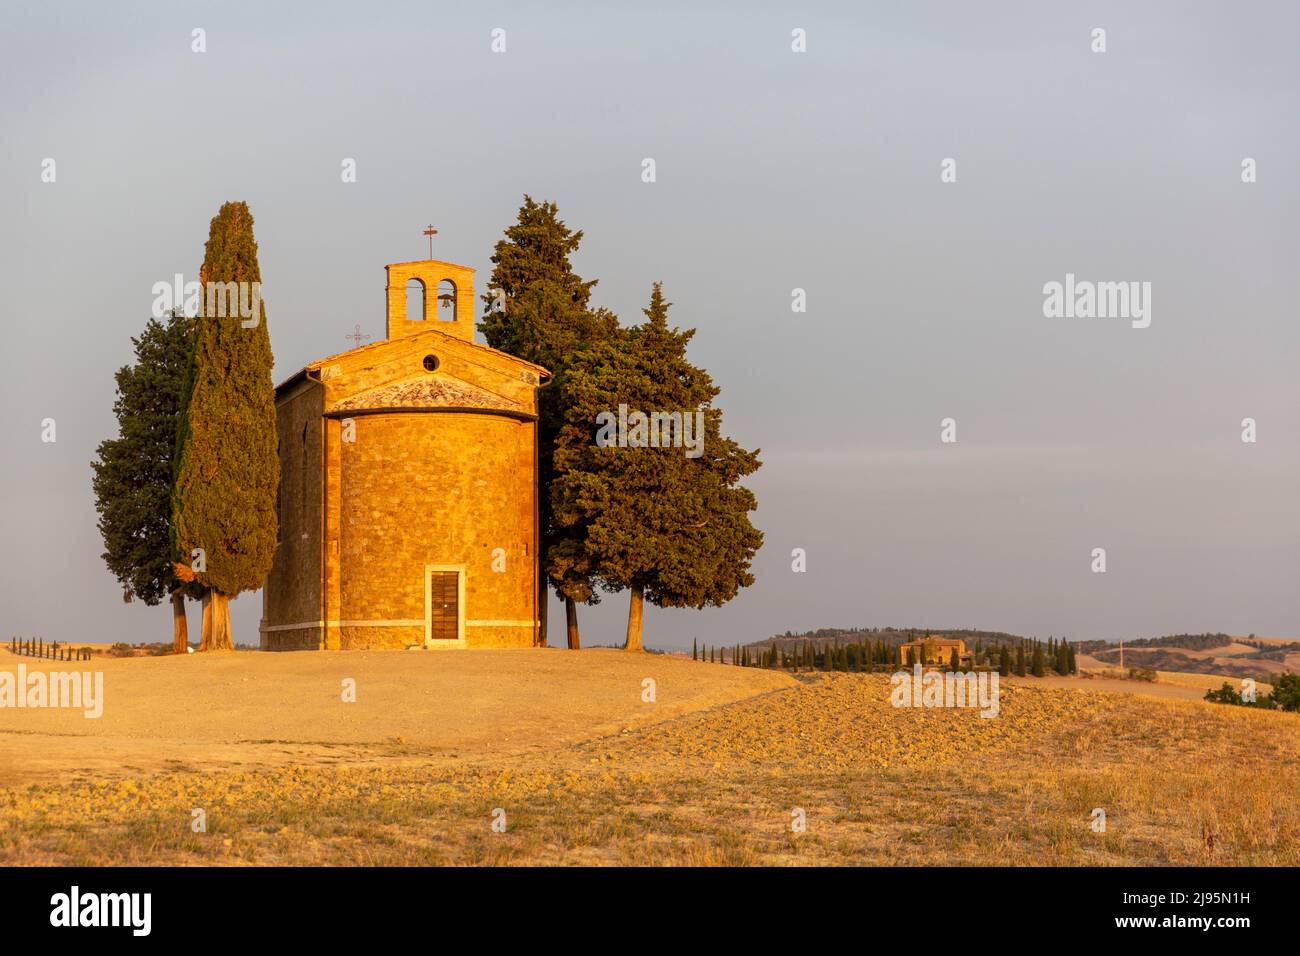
(408, 512)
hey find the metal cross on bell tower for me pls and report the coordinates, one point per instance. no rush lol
(430, 232)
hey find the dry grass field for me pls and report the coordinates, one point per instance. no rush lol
(586, 772)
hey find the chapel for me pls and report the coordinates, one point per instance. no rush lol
(408, 485)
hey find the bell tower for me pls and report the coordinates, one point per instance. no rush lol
(440, 293)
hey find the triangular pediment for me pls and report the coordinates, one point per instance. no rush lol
(434, 391)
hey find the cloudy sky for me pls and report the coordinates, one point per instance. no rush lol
(776, 170)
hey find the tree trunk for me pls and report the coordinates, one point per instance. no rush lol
(543, 599)
(634, 619)
(180, 628)
(571, 619)
(216, 622)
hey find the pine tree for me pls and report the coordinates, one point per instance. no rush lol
(227, 459)
(133, 472)
(671, 528)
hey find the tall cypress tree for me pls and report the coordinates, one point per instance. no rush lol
(228, 467)
(537, 308)
(670, 526)
(133, 472)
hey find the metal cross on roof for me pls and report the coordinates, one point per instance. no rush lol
(357, 336)
(430, 232)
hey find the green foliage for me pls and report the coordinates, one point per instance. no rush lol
(652, 518)
(1226, 694)
(1285, 696)
(228, 468)
(1062, 662)
(132, 478)
(535, 251)
(536, 308)
(1286, 691)
(1038, 667)
(954, 662)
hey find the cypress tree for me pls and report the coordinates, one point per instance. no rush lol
(954, 662)
(672, 529)
(537, 308)
(695, 654)
(133, 473)
(227, 461)
(1038, 669)
(1020, 659)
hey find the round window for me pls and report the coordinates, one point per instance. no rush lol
(431, 363)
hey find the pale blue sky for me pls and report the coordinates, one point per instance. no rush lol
(775, 171)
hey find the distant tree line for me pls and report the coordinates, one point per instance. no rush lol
(1191, 642)
(1029, 657)
(890, 635)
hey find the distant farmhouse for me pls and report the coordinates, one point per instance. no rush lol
(934, 650)
(408, 488)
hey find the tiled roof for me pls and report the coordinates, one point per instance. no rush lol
(382, 343)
